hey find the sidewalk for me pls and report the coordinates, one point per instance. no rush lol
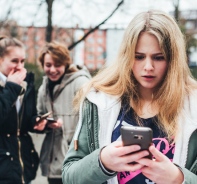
(37, 139)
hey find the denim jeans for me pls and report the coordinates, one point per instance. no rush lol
(55, 180)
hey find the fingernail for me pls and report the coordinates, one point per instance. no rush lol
(146, 153)
(138, 147)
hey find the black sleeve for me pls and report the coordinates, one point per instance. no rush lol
(30, 103)
(8, 97)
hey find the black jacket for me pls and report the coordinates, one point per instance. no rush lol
(18, 158)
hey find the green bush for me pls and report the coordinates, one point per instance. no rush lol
(194, 72)
(38, 74)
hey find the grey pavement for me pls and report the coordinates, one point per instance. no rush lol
(37, 139)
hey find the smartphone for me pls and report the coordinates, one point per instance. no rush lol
(44, 116)
(141, 136)
(50, 120)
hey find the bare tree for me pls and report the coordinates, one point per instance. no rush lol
(49, 28)
(96, 27)
(189, 36)
(176, 9)
(7, 24)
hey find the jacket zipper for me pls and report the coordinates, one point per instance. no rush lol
(92, 144)
(91, 129)
(19, 120)
(51, 146)
(193, 168)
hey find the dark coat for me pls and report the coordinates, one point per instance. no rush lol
(18, 158)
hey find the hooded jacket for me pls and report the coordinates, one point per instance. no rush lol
(94, 130)
(57, 141)
(18, 157)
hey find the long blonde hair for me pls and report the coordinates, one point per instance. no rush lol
(117, 79)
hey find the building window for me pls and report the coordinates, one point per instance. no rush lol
(190, 25)
(100, 57)
(90, 40)
(99, 65)
(90, 49)
(90, 65)
(100, 40)
(100, 49)
(100, 32)
(90, 57)
(24, 37)
(37, 38)
(36, 47)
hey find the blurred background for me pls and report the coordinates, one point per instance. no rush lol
(91, 29)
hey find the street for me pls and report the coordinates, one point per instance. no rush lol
(37, 139)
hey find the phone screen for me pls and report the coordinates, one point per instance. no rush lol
(44, 116)
(50, 120)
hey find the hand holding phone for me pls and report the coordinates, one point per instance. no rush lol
(44, 116)
(133, 135)
(50, 120)
(54, 123)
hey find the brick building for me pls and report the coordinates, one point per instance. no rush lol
(98, 48)
(91, 52)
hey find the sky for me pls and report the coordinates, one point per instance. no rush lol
(84, 13)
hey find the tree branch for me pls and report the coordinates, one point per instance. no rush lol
(95, 28)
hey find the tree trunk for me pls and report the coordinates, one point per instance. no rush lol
(176, 10)
(49, 28)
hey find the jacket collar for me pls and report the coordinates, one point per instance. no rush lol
(3, 79)
(102, 100)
